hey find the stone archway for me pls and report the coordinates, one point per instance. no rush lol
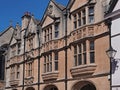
(84, 85)
(51, 87)
(30, 88)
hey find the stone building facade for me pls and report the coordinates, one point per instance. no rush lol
(66, 50)
(5, 37)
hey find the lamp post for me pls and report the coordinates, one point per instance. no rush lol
(111, 53)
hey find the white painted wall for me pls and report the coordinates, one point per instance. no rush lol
(115, 29)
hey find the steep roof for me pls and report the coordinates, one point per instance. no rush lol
(6, 36)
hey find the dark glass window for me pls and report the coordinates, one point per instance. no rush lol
(92, 57)
(91, 14)
(56, 30)
(91, 45)
(75, 21)
(79, 19)
(83, 17)
(56, 60)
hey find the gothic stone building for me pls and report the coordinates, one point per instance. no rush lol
(4, 44)
(66, 50)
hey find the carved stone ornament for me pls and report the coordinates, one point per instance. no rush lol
(50, 9)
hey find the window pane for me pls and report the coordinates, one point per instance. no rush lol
(56, 34)
(44, 68)
(75, 49)
(91, 10)
(92, 57)
(50, 66)
(56, 55)
(91, 19)
(84, 17)
(80, 48)
(56, 26)
(79, 59)
(75, 60)
(84, 46)
(56, 65)
(75, 24)
(84, 56)
(91, 45)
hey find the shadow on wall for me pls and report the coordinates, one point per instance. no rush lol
(115, 65)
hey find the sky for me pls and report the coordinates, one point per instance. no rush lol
(11, 11)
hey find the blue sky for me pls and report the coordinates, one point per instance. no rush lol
(13, 10)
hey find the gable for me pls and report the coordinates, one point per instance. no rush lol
(31, 25)
(48, 20)
(52, 11)
(77, 4)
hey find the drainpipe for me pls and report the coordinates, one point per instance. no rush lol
(38, 60)
(66, 49)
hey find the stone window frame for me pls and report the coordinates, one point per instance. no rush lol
(82, 16)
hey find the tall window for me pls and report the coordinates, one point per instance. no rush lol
(92, 56)
(48, 34)
(48, 63)
(80, 54)
(75, 21)
(84, 53)
(79, 19)
(91, 14)
(29, 69)
(75, 55)
(56, 30)
(83, 17)
(56, 61)
(51, 33)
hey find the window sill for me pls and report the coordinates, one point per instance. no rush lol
(14, 82)
(29, 80)
(83, 70)
(50, 76)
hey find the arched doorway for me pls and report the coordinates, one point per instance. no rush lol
(84, 85)
(51, 87)
(30, 88)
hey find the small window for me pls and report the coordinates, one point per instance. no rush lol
(56, 61)
(91, 14)
(92, 57)
(56, 30)
(79, 19)
(83, 17)
(91, 45)
(75, 21)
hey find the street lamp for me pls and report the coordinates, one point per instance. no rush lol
(111, 54)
